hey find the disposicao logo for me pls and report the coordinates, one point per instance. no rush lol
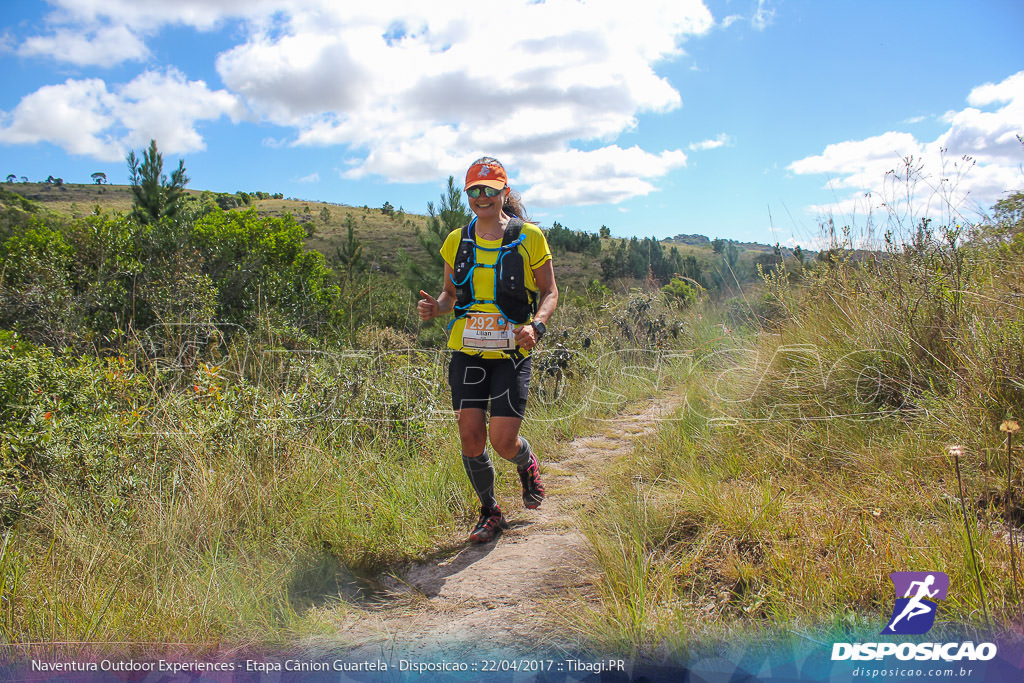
(914, 612)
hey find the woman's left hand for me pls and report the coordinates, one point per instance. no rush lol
(526, 336)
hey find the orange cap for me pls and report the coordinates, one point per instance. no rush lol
(491, 174)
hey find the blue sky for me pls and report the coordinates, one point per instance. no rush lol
(747, 119)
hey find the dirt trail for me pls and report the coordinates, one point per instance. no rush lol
(506, 593)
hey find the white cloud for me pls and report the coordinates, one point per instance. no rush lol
(73, 115)
(313, 177)
(412, 92)
(107, 32)
(1010, 89)
(964, 170)
(914, 119)
(814, 243)
(84, 117)
(166, 107)
(602, 176)
(763, 16)
(859, 163)
(101, 46)
(149, 14)
(731, 19)
(720, 140)
(989, 136)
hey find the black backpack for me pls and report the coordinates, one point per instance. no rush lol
(515, 302)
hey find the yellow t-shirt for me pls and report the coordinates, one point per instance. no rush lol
(535, 252)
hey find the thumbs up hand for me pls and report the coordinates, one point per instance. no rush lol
(427, 307)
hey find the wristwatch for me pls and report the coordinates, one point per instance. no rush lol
(540, 328)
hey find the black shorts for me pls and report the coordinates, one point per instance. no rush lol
(499, 383)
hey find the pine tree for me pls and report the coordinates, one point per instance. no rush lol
(154, 197)
(453, 215)
(350, 253)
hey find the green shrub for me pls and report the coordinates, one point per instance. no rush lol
(36, 285)
(257, 262)
(680, 293)
(63, 419)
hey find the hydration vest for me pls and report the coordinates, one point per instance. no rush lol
(514, 301)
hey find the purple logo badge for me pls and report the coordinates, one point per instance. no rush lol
(914, 612)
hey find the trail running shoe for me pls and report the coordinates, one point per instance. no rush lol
(491, 522)
(533, 489)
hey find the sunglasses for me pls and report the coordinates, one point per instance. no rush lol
(475, 192)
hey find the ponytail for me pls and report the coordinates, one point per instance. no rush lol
(514, 206)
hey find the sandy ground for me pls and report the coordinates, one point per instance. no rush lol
(517, 595)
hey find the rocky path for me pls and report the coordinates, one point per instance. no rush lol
(511, 594)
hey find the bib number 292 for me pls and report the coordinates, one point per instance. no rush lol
(488, 332)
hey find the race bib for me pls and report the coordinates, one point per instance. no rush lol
(488, 332)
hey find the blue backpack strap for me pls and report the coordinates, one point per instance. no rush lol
(466, 296)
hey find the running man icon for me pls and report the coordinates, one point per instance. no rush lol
(914, 612)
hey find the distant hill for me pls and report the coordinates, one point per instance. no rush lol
(704, 241)
(382, 232)
(379, 232)
(695, 240)
(75, 199)
(756, 246)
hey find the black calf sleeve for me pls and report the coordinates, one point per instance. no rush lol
(522, 458)
(481, 475)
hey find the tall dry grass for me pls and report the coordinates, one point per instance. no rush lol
(246, 489)
(812, 458)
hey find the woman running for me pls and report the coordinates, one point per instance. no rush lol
(499, 281)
